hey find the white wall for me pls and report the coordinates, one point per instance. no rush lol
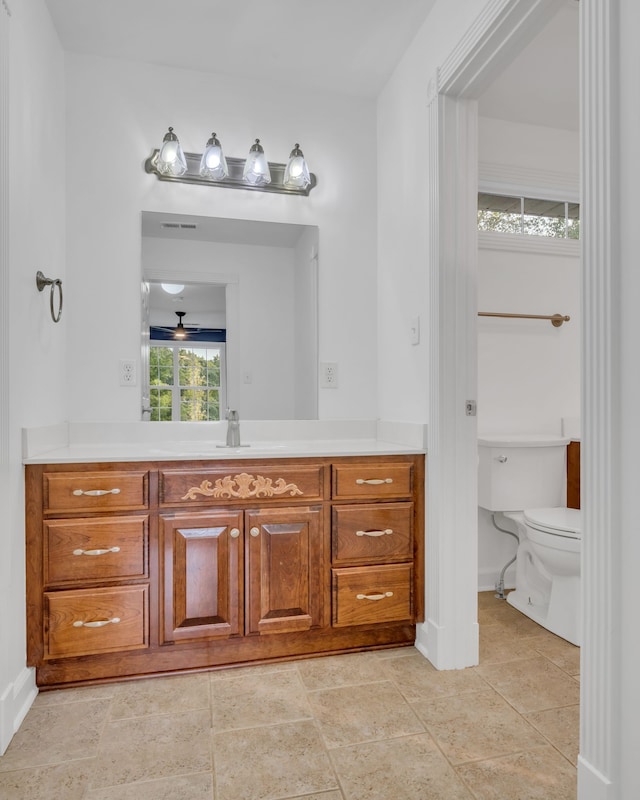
(403, 197)
(266, 314)
(305, 346)
(117, 113)
(37, 368)
(528, 371)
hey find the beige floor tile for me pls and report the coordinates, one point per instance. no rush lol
(561, 727)
(58, 782)
(251, 700)
(562, 653)
(363, 713)
(181, 787)
(417, 679)
(160, 696)
(541, 774)
(471, 727)
(410, 768)
(532, 684)
(76, 694)
(271, 762)
(53, 734)
(498, 645)
(253, 669)
(334, 795)
(325, 673)
(148, 748)
(395, 652)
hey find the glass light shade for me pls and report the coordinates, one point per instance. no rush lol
(171, 160)
(172, 288)
(256, 168)
(213, 164)
(296, 173)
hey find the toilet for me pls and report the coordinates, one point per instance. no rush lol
(521, 479)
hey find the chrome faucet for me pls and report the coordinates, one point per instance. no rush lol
(233, 428)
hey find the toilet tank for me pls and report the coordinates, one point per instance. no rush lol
(521, 471)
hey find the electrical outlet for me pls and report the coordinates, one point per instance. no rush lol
(128, 372)
(329, 375)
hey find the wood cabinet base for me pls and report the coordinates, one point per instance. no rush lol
(154, 568)
(237, 652)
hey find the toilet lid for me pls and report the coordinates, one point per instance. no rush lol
(562, 521)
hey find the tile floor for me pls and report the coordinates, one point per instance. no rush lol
(384, 725)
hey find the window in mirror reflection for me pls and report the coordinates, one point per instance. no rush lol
(186, 382)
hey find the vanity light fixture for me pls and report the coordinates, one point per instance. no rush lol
(211, 168)
(256, 168)
(171, 160)
(180, 331)
(213, 164)
(296, 174)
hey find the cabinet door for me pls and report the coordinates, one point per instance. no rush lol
(285, 569)
(202, 575)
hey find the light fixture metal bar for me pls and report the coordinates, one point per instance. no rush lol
(233, 180)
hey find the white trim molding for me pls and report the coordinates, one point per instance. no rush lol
(524, 243)
(600, 744)
(543, 184)
(15, 702)
(449, 637)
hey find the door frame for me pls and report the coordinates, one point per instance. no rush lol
(449, 636)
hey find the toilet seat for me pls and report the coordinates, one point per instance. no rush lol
(566, 522)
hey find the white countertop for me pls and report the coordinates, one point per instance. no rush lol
(148, 442)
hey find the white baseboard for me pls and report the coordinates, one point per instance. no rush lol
(15, 702)
(592, 784)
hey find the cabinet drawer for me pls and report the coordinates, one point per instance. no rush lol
(371, 533)
(66, 492)
(356, 481)
(365, 595)
(190, 487)
(88, 621)
(95, 549)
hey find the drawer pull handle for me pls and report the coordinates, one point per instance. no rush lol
(255, 532)
(387, 531)
(95, 492)
(234, 533)
(99, 623)
(96, 552)
(374, 596)
(373, 481)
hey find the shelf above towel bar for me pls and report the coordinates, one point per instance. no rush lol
(555, 319)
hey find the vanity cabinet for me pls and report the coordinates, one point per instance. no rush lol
(156, 567)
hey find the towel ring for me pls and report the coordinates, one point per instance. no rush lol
(41, 282)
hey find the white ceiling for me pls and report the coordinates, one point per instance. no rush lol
(540, 87)
(347, 46)
(344, 46)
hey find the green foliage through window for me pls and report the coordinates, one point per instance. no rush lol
(528, 216)
(186, 383)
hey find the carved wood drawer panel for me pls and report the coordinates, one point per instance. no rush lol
(184, 487)
(90, 621)
(366, 533)
(372, 481)
(95, 549)
(67, 492)
(365, 595)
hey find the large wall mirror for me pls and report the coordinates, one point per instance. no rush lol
(230, 318)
